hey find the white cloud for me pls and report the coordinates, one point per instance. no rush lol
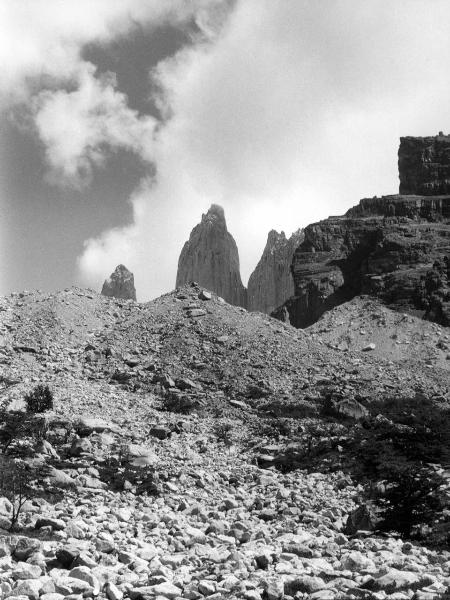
(285, 113)
(292, 114)
(44, 37)
(77, 126)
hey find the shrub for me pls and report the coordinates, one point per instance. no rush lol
(39, 400)
(414, 496)
(224, 432)
(20, 430)
(402, 449)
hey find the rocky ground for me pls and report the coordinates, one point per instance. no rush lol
(160, 476)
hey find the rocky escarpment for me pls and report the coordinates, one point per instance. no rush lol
(424, 165)
(395, 248)
(120, 284)
(271, 283)
(210, 257)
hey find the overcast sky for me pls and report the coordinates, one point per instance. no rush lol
(121, 121)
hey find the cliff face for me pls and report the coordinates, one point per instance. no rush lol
(210, 257)
(271, 283)
(120, 284)
(424, 165)
(394, 247)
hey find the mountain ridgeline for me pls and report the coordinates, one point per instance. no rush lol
(211, 258)
(394, 248)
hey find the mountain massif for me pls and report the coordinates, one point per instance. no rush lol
(394, 248)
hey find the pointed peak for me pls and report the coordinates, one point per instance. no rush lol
(215, 214)
(120, 284)
(274, 236)
(121, 269)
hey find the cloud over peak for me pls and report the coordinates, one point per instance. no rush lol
(282, 112)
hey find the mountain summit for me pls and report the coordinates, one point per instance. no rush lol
(211, 258)
(120, 284)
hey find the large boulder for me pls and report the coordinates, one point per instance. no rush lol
(210, 257)
(120, 284)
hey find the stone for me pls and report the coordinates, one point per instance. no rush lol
(113, 592)
(25, 547)
(24, 570)
(5, 507)
(274, 589)
(355, 561)
(271, 283)
(305, 584)
(120, 284)
(29, 587)
(167, 590)
(85, 574)
(205, 295)
(85, 425)
(369, 347)
(210, 257)
(396, 580)
(80, 446)
(55, 524)
(67, 555)
(160, 432)
(361, 519)
(206, 587)
(141, 456)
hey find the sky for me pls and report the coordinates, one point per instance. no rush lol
(122, 121)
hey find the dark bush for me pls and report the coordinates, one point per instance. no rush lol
(40, 399)
(402, 450)
(414, 496)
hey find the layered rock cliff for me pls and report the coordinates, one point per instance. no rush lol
(424, 165)
(395, 248)
(120, 284)
(271, 283)
(210, 257)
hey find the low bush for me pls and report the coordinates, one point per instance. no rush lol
(402, 450)
(39, 399)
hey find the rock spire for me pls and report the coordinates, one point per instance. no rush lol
(120, 284)
(271, 282)
(210, 257)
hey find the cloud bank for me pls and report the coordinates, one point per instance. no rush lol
(292, 113)
(283, 113)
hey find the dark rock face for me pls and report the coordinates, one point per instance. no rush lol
(120, 284)
(395, 248)
(424, 165)
(271, 283)
(210, 257)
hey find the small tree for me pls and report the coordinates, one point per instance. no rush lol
(16, 484)
(39, 399)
